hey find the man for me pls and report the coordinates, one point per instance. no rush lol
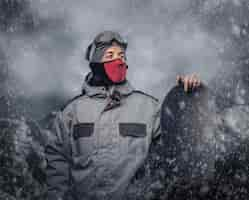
(102, 136)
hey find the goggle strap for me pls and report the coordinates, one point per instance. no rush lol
(90, 51)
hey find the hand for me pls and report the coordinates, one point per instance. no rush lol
(189, 82)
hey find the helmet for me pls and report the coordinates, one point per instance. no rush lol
(101, 42)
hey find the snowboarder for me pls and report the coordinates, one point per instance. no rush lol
(102, 136)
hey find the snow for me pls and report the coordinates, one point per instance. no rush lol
(166, 38)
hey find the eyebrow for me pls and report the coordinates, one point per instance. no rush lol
(110, 52)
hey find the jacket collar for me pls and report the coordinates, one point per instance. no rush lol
(103, 92)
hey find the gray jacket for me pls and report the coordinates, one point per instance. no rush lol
(100, 140)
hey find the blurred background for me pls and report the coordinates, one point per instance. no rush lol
(42, 65)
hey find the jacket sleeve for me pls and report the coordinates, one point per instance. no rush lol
(57, 154)
(156, 126)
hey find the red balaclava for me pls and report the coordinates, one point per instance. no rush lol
(116, 70)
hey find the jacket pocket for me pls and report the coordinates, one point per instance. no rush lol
(132, 129)
(83, 140)
(83, 130)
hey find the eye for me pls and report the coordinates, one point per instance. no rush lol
(122, 55)
(109, 55)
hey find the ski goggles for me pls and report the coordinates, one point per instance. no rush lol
(103, 40)
(106, 38)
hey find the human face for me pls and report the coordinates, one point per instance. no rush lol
(112, 53)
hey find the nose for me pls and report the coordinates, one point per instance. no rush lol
(118, 57)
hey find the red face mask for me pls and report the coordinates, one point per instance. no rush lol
(116, 70)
